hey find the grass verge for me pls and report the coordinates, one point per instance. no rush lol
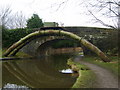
(86, 78)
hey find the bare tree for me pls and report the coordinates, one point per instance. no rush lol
(4, 16)
(119, 16)
(105, 12)
(18, 20)
(10, 20)
(108, 9)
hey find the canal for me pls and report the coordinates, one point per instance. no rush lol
(42, 72)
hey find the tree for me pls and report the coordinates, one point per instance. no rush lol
(18, 20)
(108, 9)
(4, 17)
(105, 12)
(34, 22)
(8, 20)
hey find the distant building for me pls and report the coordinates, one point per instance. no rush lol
(50, 24)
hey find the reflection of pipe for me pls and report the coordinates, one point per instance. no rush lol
(22, 76)
(48, 64)
(26, 79)
(44, 65)
(17, 74)
(54, 75)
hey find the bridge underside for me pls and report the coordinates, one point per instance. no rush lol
(33, 47)
(48, 48)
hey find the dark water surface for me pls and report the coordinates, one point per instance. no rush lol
(39, 72)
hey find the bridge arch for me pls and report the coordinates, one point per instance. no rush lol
(22, 42)
(43, 47)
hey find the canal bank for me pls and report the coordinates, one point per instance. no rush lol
(97, 75)
(86, 78)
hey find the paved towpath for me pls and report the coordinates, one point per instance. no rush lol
(105, 79)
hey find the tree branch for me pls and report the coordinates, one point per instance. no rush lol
(61, 4)
(100, 21)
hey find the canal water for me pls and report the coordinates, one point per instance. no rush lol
(42, 72)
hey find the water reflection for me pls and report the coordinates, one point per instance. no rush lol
(38, 73)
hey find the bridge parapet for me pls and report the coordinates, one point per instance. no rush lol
(86, 32)
(90, 31)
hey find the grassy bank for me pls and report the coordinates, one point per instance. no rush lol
(86, 78)
(111, 66)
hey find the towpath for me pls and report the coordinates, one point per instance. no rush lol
(105, 79)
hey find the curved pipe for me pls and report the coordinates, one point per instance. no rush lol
(58, 33)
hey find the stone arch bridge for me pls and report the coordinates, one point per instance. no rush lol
(53, 33)
(91, 34)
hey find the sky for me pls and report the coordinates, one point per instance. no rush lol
(69, 14)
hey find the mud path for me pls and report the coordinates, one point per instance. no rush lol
(105, 79)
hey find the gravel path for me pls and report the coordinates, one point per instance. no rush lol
(105, 79)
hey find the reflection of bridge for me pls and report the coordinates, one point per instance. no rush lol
(35, 74)
(43, 33)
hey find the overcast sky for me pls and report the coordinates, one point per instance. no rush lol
(70, 13)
